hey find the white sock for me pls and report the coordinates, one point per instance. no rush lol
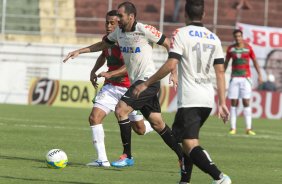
(233, 117)
(148, 127)
(98, 137)
(248, 117)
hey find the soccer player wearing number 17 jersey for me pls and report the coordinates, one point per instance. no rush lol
(195, 49)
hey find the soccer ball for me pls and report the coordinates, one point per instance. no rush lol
(56, 159)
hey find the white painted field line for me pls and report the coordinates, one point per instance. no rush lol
(44, 126)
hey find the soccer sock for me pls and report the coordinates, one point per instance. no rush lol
(125, 132)
(148, 127)
(98, 137)
(170, 140)
(233, 117)
(201, 159)
(186, 168)
(248, 117)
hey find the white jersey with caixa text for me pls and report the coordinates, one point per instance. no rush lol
(197, 50)
(136, 48)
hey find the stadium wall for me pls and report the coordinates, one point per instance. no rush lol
(35, 74)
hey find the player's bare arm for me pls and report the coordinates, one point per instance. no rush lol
(168, 67)
(223, 112)
(166, 44)
(99, 63)
(227, 59)
(173, 76)
(115, 73)
(92, 48)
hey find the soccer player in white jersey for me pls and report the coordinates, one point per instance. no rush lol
(115, 85)
(195, 49)
(135, 40)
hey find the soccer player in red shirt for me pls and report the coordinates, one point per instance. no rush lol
(240, 84)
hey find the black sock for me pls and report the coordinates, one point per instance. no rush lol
(186, 168)
(202, 160)
(125, 132)
(170, 140)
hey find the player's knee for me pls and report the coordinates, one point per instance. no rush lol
(158, 126)
(93, 120)
(246, 103)
(120, 113)
(139, 130)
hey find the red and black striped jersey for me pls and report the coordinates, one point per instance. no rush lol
(240, 60)
(114, 62)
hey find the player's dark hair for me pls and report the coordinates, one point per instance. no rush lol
(195, 9)
(128, 7)
(237, 31)
(112, 13)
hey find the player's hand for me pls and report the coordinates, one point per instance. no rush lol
(93, 79)
(173, 79)
(223, 113)
(72, 55)
(260, 81)
(139, 89)
(105, 74)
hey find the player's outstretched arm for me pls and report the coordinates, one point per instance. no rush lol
(115, 73)
(92, 48)
(99, 63)
(223, 112)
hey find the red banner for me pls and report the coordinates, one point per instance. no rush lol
(264, 104)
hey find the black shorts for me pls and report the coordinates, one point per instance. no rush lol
(188, 121)
(147, 101)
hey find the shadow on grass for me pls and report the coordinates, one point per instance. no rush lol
(72, 164)
(43, 180)
(43, 161)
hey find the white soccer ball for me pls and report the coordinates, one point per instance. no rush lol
(56, 159)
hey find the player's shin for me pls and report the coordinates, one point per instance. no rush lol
(202, 160)
(171, 141)
(186, 169)
(233, 115)
(248, 117)
(98, 137)
(125, 132)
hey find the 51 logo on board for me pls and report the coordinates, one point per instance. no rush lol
(43, 91)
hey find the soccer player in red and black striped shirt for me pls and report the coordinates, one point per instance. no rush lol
(240, 84)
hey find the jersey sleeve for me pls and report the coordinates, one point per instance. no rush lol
(218, 54)
(154, 35)
(176, 47)
(252, 53)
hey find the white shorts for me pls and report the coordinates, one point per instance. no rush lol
(240, 87)
(108, 97)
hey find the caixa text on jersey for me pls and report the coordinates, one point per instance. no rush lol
(130, 49)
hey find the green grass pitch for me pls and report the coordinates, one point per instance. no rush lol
(28, 132)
